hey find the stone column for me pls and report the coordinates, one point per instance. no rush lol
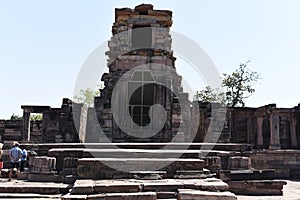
(260, 139)
(293, 130)
(274, 127)
(26, 126)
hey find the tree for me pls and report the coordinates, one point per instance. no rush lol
(87, 96)
(15, 117)
(209, 94)
(36, 117)
(238, 87)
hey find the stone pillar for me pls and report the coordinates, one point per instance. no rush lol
(274, 127)
(26, 126)
(293, 131)
(260, 139)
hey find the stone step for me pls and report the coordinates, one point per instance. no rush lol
(113, 196)
(42, 149)
(165, 188)
(188, 194)
(28, 196)
(189, 174)
(166, 195)
(108, 168)
(239, 175)
(132, 153)
(148, 175)
(257, 187)
(20, 186)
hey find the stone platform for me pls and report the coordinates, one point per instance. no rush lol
(111, 168)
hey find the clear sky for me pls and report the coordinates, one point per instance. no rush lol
(44, 43)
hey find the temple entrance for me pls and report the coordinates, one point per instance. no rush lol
(141, 97)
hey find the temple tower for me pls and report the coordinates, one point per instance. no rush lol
(149, 97)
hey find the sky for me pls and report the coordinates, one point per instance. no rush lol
(43, 44)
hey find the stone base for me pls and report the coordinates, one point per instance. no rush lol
(240, 175)
(36, 177)
(257, 187)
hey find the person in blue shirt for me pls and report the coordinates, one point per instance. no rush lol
(23, 159)
(15, 155)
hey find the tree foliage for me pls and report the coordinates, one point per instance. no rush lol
(15, 117)
(36, 117)
(238, 87)
(87, 96)
(209, 94)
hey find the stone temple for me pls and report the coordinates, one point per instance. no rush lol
(144, 139)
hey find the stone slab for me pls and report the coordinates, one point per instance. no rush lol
(257, 187)
(83, 187)
(33, 187)
(74, 197)
(37, 177)
(212, 184)
(188, 194)
(150, 175)
(111, 168)
(114, 186)
(124, 196)
(239, 175)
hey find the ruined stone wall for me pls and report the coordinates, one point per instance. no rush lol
(266, 127)
(58, 124)
(10, 130)
(285, 162)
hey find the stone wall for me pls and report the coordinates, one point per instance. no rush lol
(285, 162)
(266, 127)
(10, 130)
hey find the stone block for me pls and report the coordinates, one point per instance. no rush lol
(124, 196)
(257, 187)
(83, 187)
(239, 175)
(239, 162)
(212, 184)
(114, 186)
(73, 197)
(188, 194)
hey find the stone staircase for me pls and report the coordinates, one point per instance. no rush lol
(125, 171)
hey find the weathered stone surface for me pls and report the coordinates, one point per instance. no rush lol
(74, 197)
(212, 184)
(257, 187)
(163, 185)
(83, 187)
(239, 162)
(238, 175)
(105, 168)
(110, 186)
(284, 162)
(148, 175)
(188, 194)
(34, 187)
(213, 163)
(124, 196)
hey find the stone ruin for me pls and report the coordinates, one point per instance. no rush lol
(90, 154)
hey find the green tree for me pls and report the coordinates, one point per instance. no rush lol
(87, 96)
(36, 117)
(15, 117)
(238, 86)
(209, 94)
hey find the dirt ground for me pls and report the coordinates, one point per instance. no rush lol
(291, 191)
